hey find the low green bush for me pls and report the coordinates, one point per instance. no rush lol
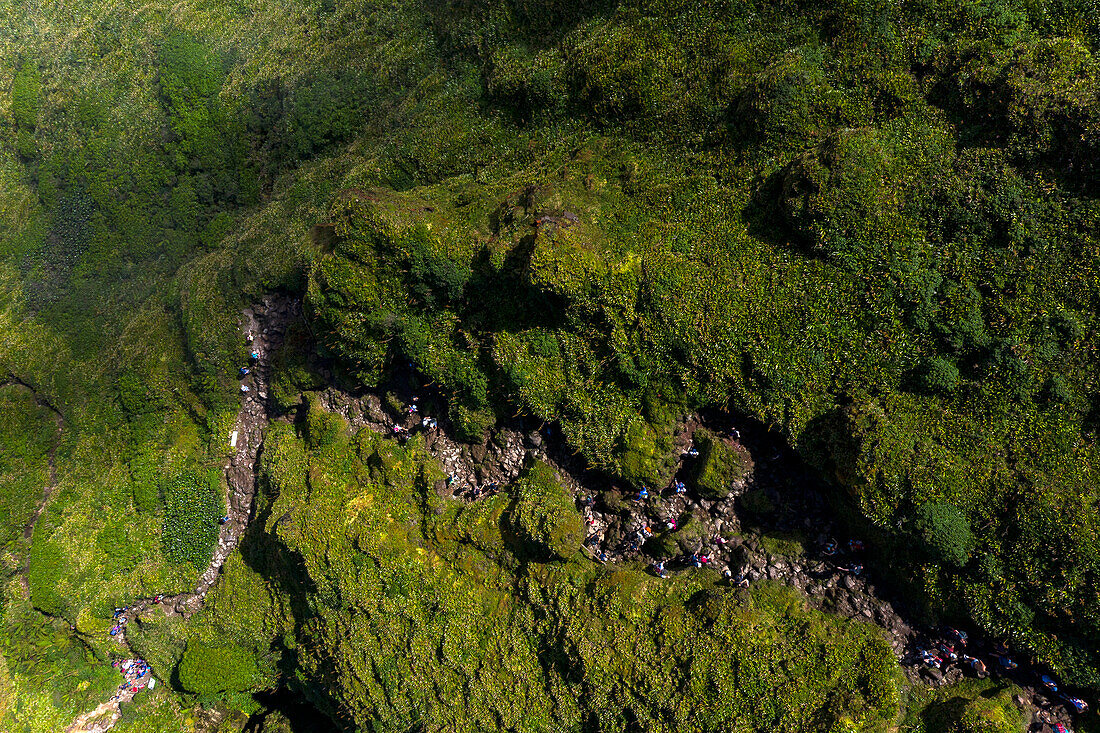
(544, 516)
(211, 670)
(191, 512)
(944, 532)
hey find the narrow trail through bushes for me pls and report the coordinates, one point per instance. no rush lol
(267, 324)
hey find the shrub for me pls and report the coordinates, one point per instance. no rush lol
(938, 376)
(26, 91)
(470, 424)
(210, 670)
(944, 532)
(191, 512)
(323, 428)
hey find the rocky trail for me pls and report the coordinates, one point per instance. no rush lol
(785, 543)
(266, 324)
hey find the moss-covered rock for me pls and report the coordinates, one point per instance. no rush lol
(544, 515)
(719, 466)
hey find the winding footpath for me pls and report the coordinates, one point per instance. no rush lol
(266, 323)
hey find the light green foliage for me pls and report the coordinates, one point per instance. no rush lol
(208, 670)
(29, 432)
(26, 93)
(970, 706)
(718, 466)
(405, 602)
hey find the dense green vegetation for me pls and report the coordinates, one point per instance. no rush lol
(404, 603)
(872, 226)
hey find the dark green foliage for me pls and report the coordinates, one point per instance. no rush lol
(191, 512)
(945, 533)
(544, 516)
(26, 94)
(209, 670)
(938, 376)
(718, 466)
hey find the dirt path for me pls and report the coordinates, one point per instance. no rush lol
(267, 324)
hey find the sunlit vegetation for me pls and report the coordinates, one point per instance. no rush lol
(872, 226)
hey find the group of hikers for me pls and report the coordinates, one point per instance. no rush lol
(253, 357)
(137, 675)
(120, 618)
(952, 650)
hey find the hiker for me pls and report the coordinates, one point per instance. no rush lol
(413, 409)
(603, 557)
(254, 356)
(830, 547)
(930, 659)
(670, 525)
(735, 433)
(243, 372)
(158, 598)
(692, 452)
(959, 636)
(1005, 663)
(704, 559)
(224, 519)
(975, 664)
(679, 487)
(1059, 728)
(855, 568)
(949, 651)
(115, 629)
(1049, 683)
(719, 540)
(659, 569)
(727, 574)
(643, 494)
(1078, 704)
(245, 389)
(855, 545)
